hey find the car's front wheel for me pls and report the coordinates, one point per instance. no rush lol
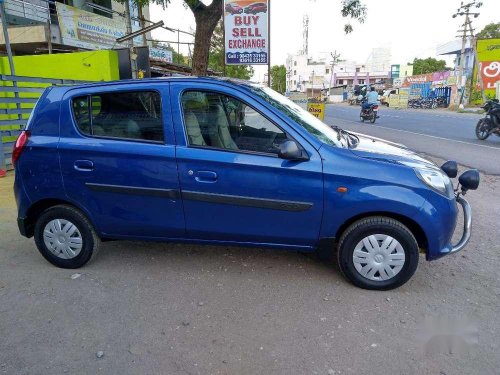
(65, 237)
(378, 253)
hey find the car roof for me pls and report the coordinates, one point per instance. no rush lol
(124, 82)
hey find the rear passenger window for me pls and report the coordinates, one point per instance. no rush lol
(129, 115)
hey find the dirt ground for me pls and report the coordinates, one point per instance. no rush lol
(148, 308)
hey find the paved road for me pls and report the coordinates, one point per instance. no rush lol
(187, 309)
(440, 133)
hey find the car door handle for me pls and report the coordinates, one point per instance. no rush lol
(206, 176)
(83, 165)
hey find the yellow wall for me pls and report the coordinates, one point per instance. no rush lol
(81, 66)
(86, 66)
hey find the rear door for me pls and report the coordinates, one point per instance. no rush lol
(117, 158)
(234, 185)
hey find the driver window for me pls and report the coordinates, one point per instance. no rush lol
(218, 121)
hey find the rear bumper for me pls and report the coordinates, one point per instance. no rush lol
(25, 228)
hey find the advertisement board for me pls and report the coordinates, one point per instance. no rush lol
(87, 30)
(83, 29)
(299, 98)
(246, 32)
(488, 55)
(317, 109)
(421, 78)
(160, 54)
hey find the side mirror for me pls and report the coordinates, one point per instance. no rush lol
(450, 168)
(289, 150)
(469, 180)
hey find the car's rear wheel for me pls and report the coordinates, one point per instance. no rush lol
(378, 253)
(65, 237)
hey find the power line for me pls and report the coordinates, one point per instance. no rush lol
(465, 10)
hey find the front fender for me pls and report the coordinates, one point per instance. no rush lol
(341, 208)
(371, 187)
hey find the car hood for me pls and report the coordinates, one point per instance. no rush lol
(381, 149)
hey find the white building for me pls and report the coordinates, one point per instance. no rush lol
(305, 73)
(454, 49)
(379, 60)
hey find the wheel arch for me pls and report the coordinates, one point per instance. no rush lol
(411, 224)
(38, 207)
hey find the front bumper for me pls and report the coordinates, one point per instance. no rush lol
(464, 240)
(467, 226)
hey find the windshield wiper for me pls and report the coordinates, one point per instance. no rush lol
(351, 138)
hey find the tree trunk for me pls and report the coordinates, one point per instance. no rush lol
(206, 18)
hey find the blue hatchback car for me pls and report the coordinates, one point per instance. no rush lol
(227, 162)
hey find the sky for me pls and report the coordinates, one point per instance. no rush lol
(410, 28)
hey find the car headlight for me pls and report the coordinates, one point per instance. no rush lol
(436, 180)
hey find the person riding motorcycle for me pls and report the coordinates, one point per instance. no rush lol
(371, 98)
(490, 123)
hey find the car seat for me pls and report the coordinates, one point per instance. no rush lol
(220, 136)
(193, 129)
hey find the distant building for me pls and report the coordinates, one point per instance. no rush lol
(379, 60)
(401, 70)
(454, 49)
(305, 73)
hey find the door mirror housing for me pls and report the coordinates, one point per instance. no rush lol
(289, 150)
(469, 180)
(450, 168)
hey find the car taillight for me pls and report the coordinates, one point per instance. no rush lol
(19, 146)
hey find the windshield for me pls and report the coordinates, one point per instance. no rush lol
(311, 124)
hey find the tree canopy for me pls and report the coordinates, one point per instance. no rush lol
(353, 10)
(278, 78)
(216, 58)
(492, 30)
(428, 65)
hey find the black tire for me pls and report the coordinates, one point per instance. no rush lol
(361, 118)
(374, 118)
(482, 130)
(90, 240)
(377, 225)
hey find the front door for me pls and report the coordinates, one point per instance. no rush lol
(117, 158)
(234, 185)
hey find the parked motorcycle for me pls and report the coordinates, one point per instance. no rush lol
(370, 113)
(490, 124)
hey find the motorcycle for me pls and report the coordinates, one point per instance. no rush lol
(490, 124)
(370, 113)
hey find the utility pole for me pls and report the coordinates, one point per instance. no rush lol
(312, 85)
(288, 81)
(335, 61)
(128, 25)
(5, 28)
(142, 24)
(305, 35)
(464, 10)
